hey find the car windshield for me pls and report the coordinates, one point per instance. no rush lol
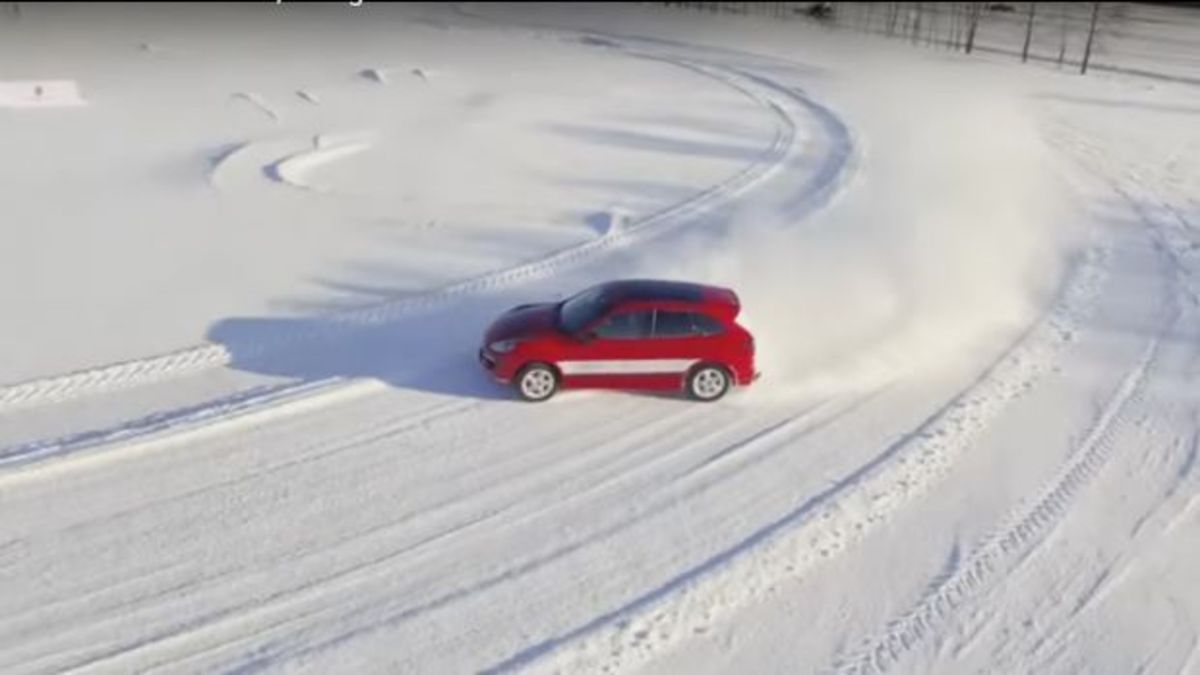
(581, 309)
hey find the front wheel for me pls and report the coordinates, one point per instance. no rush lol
(707, 383)
(537, 382)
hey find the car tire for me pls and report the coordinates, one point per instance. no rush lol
(707, 382)
(536, 382)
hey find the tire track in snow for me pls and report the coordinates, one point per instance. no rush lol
(224, 409)
(821, 187)
(364, 570)
(364, 620)
(753, 450)
(38, 460)
(1020, 534)
(1091, 589)
(760, 440)
(825, 523)
(1014, 541)
(387, 542)
(201, 357)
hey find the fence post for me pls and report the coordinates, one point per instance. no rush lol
(1087, 51)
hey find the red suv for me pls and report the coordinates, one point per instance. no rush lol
(634, 334)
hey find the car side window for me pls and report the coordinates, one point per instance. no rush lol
(626, 326)
(672, 324)
(684, 324)
(706, 325)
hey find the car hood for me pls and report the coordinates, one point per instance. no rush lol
(523, 321)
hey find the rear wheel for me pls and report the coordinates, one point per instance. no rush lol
(707, 382)
(536, 382)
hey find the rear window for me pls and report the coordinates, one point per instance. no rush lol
(684, 324)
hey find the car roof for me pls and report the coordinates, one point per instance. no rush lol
(634, 290)
(716, 298)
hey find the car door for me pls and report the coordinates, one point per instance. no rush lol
(613, 353)
(679, 340)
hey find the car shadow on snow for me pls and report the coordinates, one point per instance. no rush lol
(434, 347)
(434, 350)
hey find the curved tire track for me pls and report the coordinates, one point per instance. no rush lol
(280, 615)
(205, 356)
(826, 523)
(819, 188)
(1014, 540)
(1022, 532)
(756, 442)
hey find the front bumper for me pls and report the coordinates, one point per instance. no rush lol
(492, 365)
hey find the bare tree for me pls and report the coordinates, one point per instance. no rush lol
(973, 24)
(916, 27)
(1087, 51)
(931, 29)
(956, 29)
(1028, 32)
(1062, 43)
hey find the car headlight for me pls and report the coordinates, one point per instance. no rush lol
(503, 346)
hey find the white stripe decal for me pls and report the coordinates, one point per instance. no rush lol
(625, 366)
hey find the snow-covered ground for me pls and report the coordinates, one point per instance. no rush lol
(242, 428)
(281, 161)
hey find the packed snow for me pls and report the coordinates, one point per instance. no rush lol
(247, 268)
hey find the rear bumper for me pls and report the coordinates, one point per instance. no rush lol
(744, 372)
(744, 381)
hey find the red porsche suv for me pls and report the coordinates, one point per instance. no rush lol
(630, 334)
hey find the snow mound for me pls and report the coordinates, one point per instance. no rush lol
(374, 74)
(294, 170)
(610, 222)
(258, 102)
(383, 75)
